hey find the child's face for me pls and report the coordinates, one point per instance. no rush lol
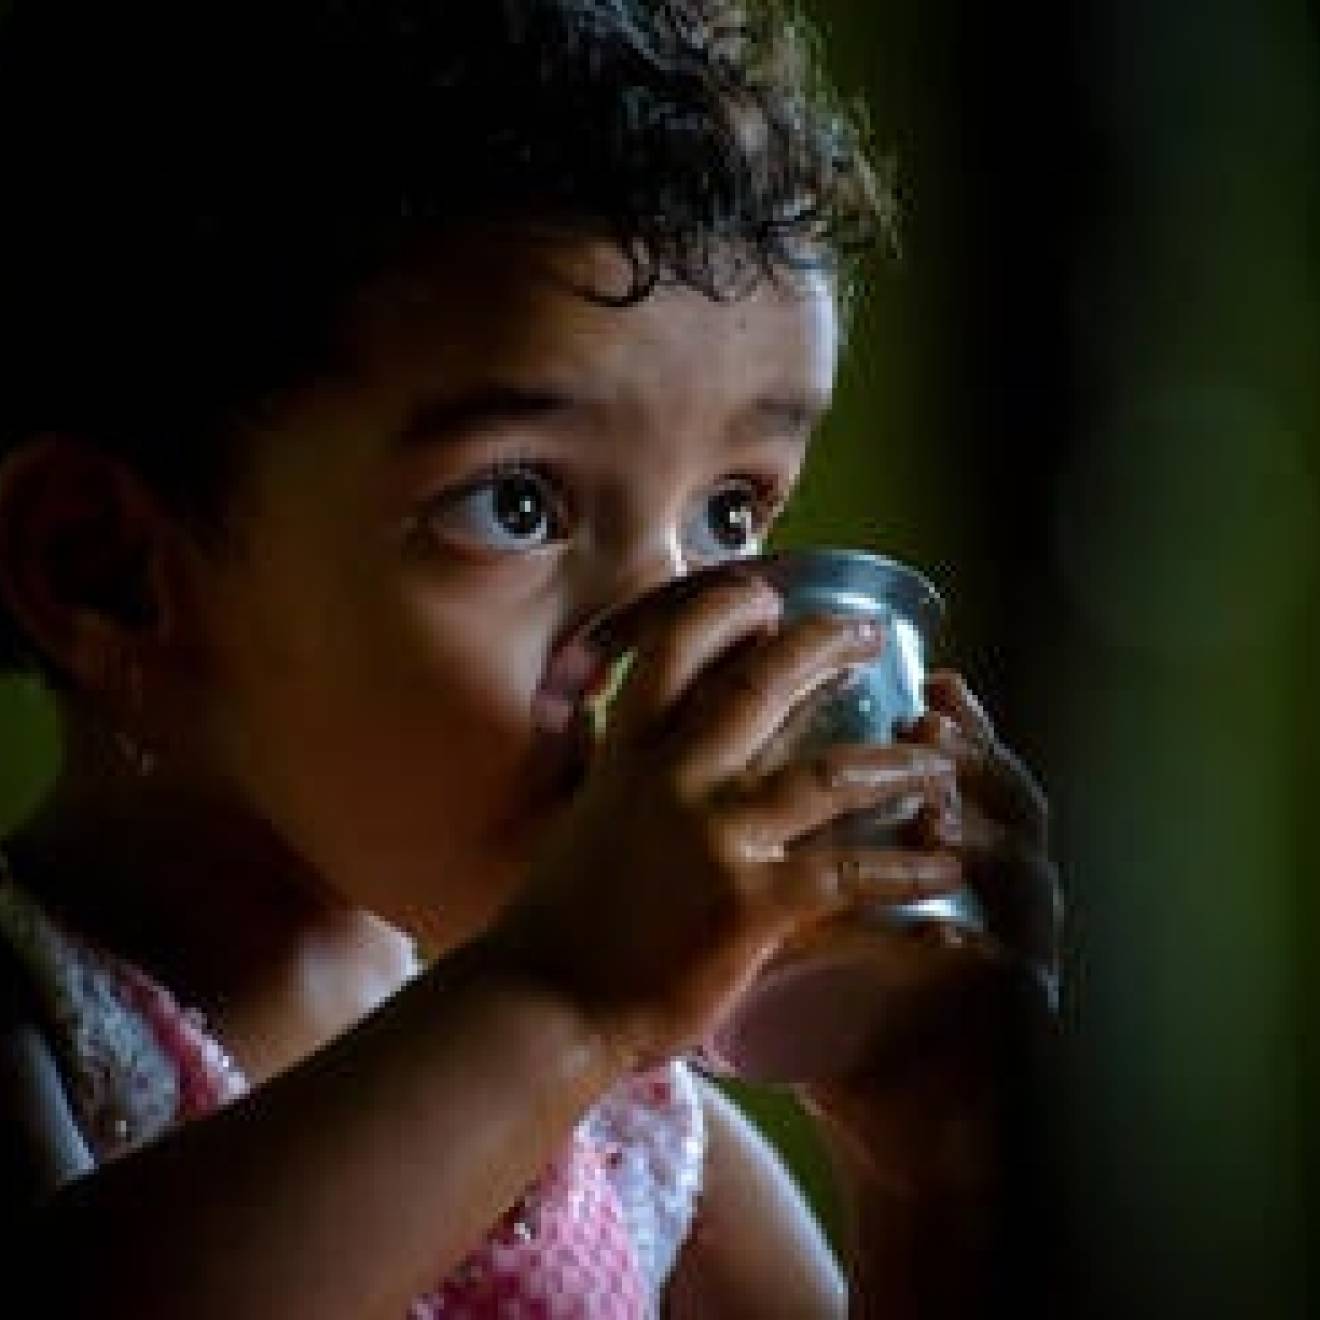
(507, 459)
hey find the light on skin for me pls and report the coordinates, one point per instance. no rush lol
(352, 760)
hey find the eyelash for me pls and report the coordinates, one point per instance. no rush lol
(769, 494)
(544, 472)
(505, 468)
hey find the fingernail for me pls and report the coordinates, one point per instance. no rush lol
(925, 765)
(867, 776)
(932, 872)
(867, 630)
(935, 764)
(948, 825)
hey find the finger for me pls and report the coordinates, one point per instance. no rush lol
(818, 879)
(1014, 789)
(624, 627)
(1017, 884)
(1022, 898)
(948, 692)
(805, 795)
(937, 824)
(988, 773)
(724, 724)
(674, 644)
(963, 821)
(933, 728)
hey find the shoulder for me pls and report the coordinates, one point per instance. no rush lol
(755, 1247)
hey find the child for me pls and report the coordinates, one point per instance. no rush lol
(360, 354)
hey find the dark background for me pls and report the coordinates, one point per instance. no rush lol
(1087, 401)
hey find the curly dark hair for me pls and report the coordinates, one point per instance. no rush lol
(193, 190)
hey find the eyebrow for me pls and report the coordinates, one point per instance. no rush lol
(792, 413)
(489, 407)
(438, 419)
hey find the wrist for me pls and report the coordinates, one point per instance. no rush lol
(568, 1028)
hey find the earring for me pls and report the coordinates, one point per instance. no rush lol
(141, 760)
(139, 757)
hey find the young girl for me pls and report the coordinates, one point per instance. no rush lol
(359, 356)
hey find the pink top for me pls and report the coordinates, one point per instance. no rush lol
(594, 1237)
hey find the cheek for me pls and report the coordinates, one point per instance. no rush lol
(390, 746)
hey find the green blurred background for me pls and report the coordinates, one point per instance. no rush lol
(1087, 401)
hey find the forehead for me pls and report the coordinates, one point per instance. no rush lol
(537, 310)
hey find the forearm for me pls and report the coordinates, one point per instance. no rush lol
(918, 1255)
(349, 1184)
(950, 1176)
(920, 1224)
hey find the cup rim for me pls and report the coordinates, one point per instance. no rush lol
(861, 575)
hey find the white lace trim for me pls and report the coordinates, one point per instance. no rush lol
(651, 1129)
(124, 1087)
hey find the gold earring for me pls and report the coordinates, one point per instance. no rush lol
(140, 758)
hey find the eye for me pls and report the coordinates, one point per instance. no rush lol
(512, 508)
(731, 519)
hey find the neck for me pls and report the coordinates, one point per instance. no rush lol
(205, 898)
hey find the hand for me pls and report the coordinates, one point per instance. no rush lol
(997, 824)
(1000, 828)
(672, 878)
(943, 1142)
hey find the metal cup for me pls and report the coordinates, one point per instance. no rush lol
(866, 704)
(816, 1012)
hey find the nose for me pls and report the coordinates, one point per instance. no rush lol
(628, 572)
(648, 568)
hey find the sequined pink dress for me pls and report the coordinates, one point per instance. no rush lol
(594, 1238)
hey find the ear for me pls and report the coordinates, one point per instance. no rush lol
(82, 546)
